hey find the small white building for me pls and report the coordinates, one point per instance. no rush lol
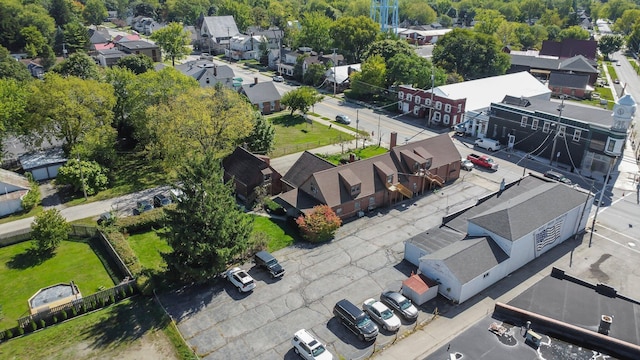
(43, 165)
(13, 187)
(483, 244)
(419, 289)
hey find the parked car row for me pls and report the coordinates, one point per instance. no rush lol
(145, 205)
(244, 282)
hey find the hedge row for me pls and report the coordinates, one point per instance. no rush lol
(121, 245)
(141, 223)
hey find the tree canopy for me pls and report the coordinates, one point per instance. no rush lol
(471, 54)
(206, 230)
(173, 41)
(353, 35)
(301, 99)
(48, 229)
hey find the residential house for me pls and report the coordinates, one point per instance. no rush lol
(207, 73)
(422, 36)
(13, 187)
(434, 105)
(289, 59)
(364, 185)
(573, 85)
(36, 70)
(480, 93)
(136, 47)
(124, 38)
(145, 25)
(543, 66)
(307, 164)
(109, 57)
(340, 80)
(215, 32)
(100, 39)
(248, 172)
(586, 139)
(264, 96)
(244, 47)
(44, 164)
(474, 248)
(273, 35)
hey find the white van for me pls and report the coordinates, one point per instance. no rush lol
(488, 144)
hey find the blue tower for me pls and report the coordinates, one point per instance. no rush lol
(385, 13)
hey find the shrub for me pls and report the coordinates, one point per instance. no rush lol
(131, 289)
(273, 207)
(74, 312)
(55, 319)
(42, 324)
(84, 308)
(48, 229)
(20, 331)
(141, 223)
(8, 334)
(320, 225)
(33, 325)
(121, 245)
(123, 293)
(63, 315)
(32, 198)
(144, 284)
(94, 176)
(112, 299)
(102, 302)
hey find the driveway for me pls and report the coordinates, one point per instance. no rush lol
(363, 260)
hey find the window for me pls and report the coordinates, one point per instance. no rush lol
(562, 130)
(611, 146)
(445, 119)
(534, 124)
(436, 116)
(416, 110)
(545, 127)
(400, 95)
(576, 135)
(438, 105)
(208, 81)
(390, 179)
(355, 189)
(447, 108)
(523, 122)
(459, 107)
(356, 205)
(427, 102)
(409, 97)
(417, 99)
(266, 177)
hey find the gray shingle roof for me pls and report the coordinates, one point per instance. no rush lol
(261, 92)
(221, 26)
(570, 81)
(516, 217)
(577, 63)
(469, 258)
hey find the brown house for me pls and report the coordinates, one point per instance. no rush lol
(249, 171)
(136, 47)
(352, 189)
(422, 103)
(264, 96)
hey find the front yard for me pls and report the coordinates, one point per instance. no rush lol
(22, 274)
(294, 134)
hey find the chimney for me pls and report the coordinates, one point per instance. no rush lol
(255, 80)
(393, 141)
(352, 157)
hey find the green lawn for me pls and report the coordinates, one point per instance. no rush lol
(280, 235)
(367, 152)
(612, 71)
(148, 247)
(23, 274)
(126, 329)
(293, 135)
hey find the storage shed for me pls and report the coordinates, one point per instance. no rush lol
(43, 165)
(419, 289)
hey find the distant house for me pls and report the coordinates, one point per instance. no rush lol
(13, 187)
(364, 185)
(43, 165)
(542, 66)
(243, 47)
(273, 35)
(341, 76)
(136, 47)
(145, 25)
(109, 57)
(36, 70)
(569, 48)
(215, 32)
(422, 36)
(207, 73)
(264, 96)
(248, 172)
(100, 39)
(289, 59)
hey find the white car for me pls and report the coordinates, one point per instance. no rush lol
(240, 279)
(381, 314)
(308, 347)
(278, 78)
(466, 164)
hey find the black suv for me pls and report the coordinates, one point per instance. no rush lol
(161, 200)
(266, 260)
(355, 320)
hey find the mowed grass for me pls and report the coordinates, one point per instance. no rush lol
(121, 330)
(367, 152)
(294, 134)
(22, 274)
(280, 234)
(149, 247)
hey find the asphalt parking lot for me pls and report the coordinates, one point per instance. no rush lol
(365, 259)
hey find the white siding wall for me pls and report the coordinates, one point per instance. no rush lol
(10, 206)
(481, 282)
(449, 286)
(413, 253)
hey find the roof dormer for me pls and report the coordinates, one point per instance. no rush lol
(350, 181)
(413, 161)
(384, 172)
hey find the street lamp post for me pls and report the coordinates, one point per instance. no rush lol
(555, 137)
(379, 135)
(357, 122)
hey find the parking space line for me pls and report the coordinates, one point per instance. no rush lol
(617, 243)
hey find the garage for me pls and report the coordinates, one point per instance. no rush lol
(43, 165)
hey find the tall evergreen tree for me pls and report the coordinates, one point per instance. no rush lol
(207, 231)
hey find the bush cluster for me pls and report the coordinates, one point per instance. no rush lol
(141, 223)
(121, 245)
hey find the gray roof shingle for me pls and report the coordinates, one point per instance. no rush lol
(302, 169)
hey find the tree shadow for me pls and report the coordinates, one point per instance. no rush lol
(30, 258)
(288, 120)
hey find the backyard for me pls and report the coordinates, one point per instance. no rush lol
(294, 134)
(23, 273)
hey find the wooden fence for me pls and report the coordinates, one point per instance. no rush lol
(21, 235)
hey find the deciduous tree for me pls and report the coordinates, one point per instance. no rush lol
(609, 44)
(352, 35)
(94, 12)
(48, 229)
(34, 40)
(488, 21)
(574, 32)
(79, 65)
(202, 120)
(206, 230)
(320, 225)
(388, 48)
(417, 12)
(471, 54)
(315, 32)
(371, 78)
(173, 40)
(12, 69)
(74, 172)
(138, 63)
(301, 99)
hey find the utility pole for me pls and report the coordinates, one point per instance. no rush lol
(84, 188)
(357, 122)
(335, 80)
(379, 135)
(555, 137)
(604, 187)
(433, 79)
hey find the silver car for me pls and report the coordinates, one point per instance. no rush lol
(400, 304)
